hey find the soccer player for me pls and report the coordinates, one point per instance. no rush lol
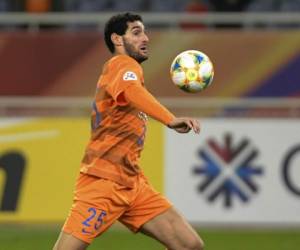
(111, 185)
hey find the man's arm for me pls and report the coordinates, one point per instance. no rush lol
(140, 98)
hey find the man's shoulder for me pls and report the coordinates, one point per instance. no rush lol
(123, 68)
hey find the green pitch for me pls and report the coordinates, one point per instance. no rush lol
(37, 237)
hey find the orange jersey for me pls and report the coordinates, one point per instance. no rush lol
(118, 125)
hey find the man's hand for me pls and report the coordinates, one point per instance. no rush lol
(184, 125)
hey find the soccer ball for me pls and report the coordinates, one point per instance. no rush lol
(192, 71)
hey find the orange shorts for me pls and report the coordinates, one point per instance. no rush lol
(98, 203)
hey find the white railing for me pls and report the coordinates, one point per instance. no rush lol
(171, 102)
(78, 106)
(165, 19)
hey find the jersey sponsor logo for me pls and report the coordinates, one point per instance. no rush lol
(228, 170)
(129, 75)
(142, 116)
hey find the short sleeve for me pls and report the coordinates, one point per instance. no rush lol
(122, 75)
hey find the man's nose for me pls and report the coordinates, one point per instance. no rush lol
(146, 38)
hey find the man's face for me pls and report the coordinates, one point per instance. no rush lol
(136, 41)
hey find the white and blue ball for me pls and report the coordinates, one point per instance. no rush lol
(192, 71)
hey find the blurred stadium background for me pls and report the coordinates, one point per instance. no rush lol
(238, 183)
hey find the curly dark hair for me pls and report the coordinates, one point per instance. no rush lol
(118, 24)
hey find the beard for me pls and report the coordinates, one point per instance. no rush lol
(132, 52)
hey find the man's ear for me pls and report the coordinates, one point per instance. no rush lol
(116, 39)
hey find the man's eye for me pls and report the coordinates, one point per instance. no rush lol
(136, 32)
